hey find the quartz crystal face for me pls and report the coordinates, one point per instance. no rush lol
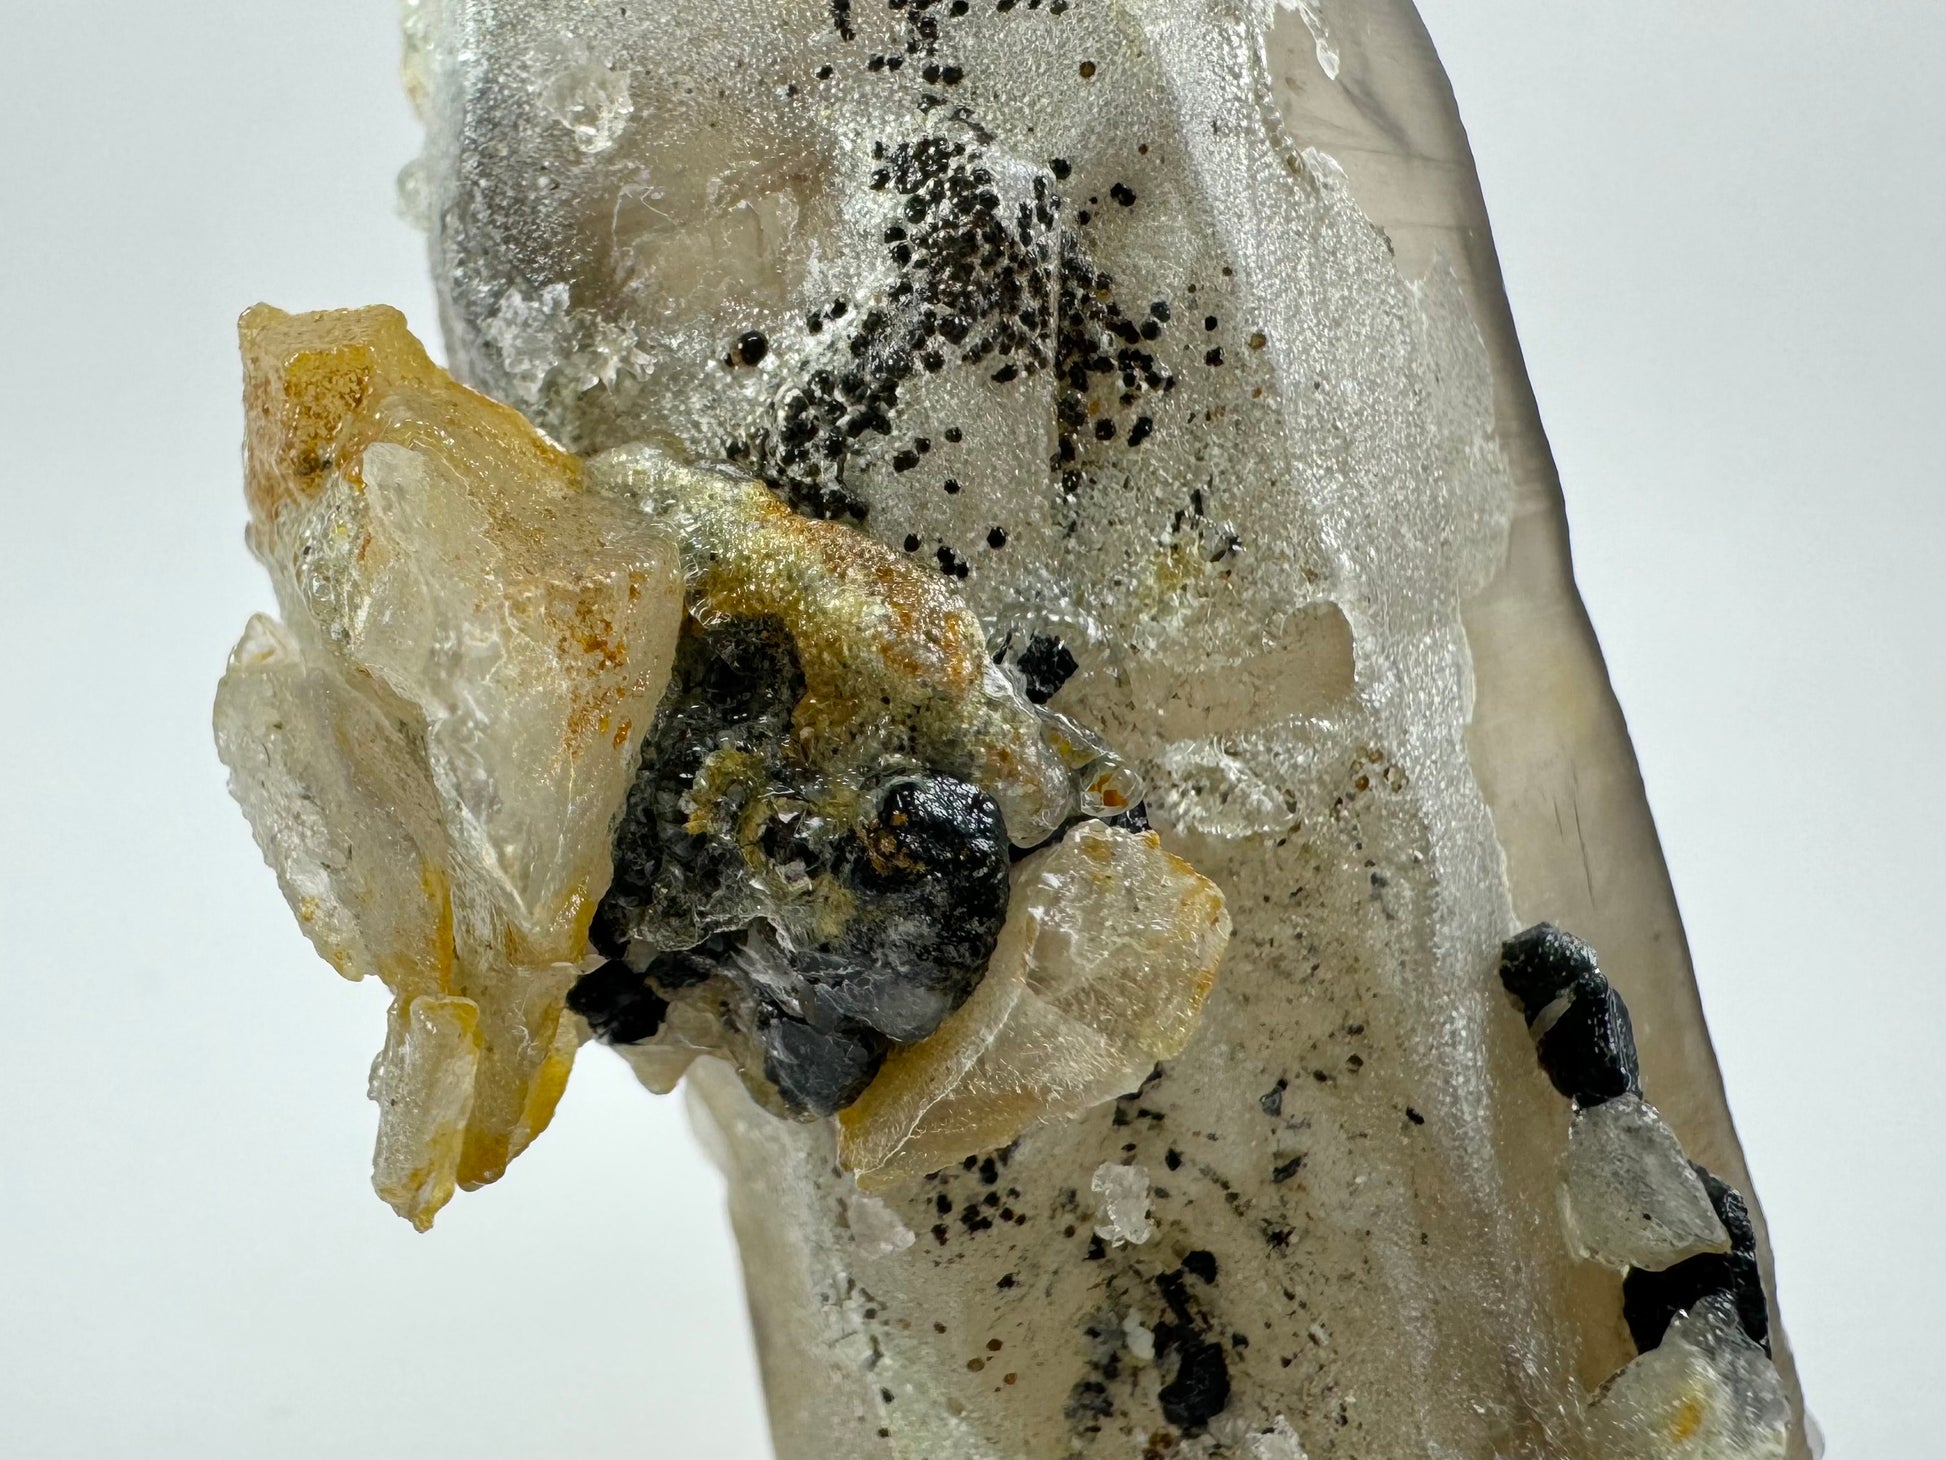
(430, 745)
(1089, 445)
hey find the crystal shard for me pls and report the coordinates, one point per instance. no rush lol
(1631, 1197)
(1705, 1393)
(1123, 1192)
(423, 1083)
(433, 744)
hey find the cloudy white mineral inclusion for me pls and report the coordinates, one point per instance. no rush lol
(1279, 1442)
(1630, 1196)
(591, 100)
(876, 1228)
(1124, 1204)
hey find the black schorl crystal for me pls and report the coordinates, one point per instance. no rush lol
(917, 879)
(1046, 664)
(819, 1071)
(928, 871)
(1201, 1386)
(733, 686)
(1651, 1300)
(930, 865)
(618, 1003)
(1200, 1389)
(684, 967)
(1538, 966)
(1589, 1051)
(1587, 1044)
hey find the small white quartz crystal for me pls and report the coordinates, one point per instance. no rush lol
(1123, 1193)
(1279, 1442)
(876, 1230)
(1706, 1392)
(1629, 1195)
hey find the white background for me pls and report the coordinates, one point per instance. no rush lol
(1722, 233)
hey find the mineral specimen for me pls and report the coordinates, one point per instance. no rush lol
(1633, 1200)
(1145, 364)
(802, 864)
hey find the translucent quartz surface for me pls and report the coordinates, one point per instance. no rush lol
(1630, 1196)
(1075, 299)
(431, 746)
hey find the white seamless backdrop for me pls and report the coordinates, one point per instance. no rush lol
(1722, 233)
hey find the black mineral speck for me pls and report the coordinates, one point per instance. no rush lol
(1123, 194)
(1213, 357)
(996, 537)
(751, 348)
(1046, 664)
(1651, 1300)
(618, 1003)
(1202, 1263)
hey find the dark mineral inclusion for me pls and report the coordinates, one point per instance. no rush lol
(1587, 1048)
(921, 872)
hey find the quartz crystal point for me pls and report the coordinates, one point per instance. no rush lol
(431, 746)
(1171, 332)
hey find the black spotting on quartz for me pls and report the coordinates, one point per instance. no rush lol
(1651, 1300)
(618, 1003)
(1046, 664)
(1588, 1046)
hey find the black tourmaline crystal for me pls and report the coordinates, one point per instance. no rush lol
(1538, 966)
(1651, 1300)
(618, 1003)
(919, 878)
(819, 1071)
(1586, 1045)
